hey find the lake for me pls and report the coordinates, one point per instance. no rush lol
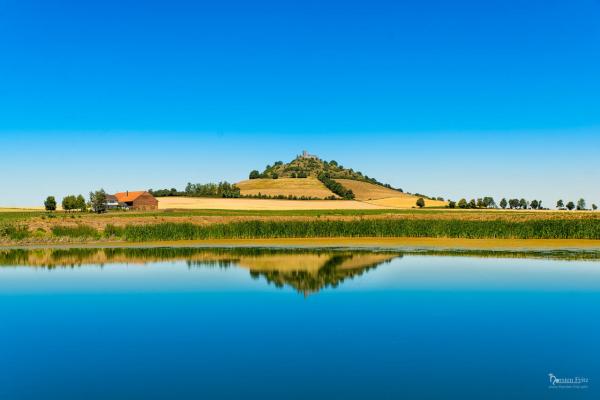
(166, 323)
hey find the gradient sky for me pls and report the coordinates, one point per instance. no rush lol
(453, 99)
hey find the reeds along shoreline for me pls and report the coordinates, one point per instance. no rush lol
(540, 229)
(261, 229)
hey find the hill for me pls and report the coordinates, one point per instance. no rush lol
(309, 176)
(307, 165)
(298, 188)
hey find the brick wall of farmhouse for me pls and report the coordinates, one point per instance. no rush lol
(145, 202)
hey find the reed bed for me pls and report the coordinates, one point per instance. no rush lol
(443, 228)
(77, 232)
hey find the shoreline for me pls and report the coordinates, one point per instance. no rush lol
(407, 243)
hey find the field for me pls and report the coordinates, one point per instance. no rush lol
(404, 202)
(384, 197)
(26, 228)
(309, 187)
(365, 191)
(195, 203)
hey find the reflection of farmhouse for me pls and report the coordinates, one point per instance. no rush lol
(132, 200)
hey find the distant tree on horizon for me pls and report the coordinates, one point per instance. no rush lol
(581, 204)
(488, 202)
(69, 203)
(451, 204)
(534, 204)
(560, 204)
(513, 203)
(50, 203)
(523, 204)
(594, 207)
(472, 204)
(80, 203)
(570, 206)
(503, 203)
(254, 174)
(420, 202)
(462, 203)
(98, 201)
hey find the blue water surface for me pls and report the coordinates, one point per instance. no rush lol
(424, 327)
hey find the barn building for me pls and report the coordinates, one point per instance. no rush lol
(137, 200)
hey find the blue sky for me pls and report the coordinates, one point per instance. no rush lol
(456, 99)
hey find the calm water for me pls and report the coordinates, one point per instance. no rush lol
(238, 324)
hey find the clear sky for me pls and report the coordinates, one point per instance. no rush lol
(447, 98)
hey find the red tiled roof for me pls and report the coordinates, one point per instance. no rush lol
(124, 197)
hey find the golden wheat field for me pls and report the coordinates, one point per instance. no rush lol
(406, 201)
(199, 203)
(384, 197)
(309, 187)
(365, 191)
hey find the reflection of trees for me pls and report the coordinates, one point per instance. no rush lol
(330, 275)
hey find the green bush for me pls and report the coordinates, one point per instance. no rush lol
(15, 232)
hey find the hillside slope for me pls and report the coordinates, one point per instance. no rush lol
(369, 191)
(297, 187)
(383, 196)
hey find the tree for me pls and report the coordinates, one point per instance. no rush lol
(420, 202)
(534, 204)
(594, 207)
(80, 203)
(570, 206)
(462, 203)
(503, 203)
(472, 204)
(275, 175)
(480, 203)
(513, 203)
(560, 204)
(451, 204)
(488, 202)
(98, 201)
(581, 204)
(523, 204)
(69, 203)
(50, 203)
(254, 174)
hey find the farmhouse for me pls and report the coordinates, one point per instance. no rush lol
(112, 203)
(137, 200)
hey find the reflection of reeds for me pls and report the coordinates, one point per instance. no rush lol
(441, 228)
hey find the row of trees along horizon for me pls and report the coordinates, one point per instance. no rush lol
(514, 204)
(97, 202)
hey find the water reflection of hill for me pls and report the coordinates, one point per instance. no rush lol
(306, 270)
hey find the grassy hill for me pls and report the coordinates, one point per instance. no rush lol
(302, 167)
(298, 188)
(308, 176)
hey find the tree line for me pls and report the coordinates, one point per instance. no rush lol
(69, 203)
(336, 187)
(516, 204)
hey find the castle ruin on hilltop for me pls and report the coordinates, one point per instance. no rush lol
(305, 154)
